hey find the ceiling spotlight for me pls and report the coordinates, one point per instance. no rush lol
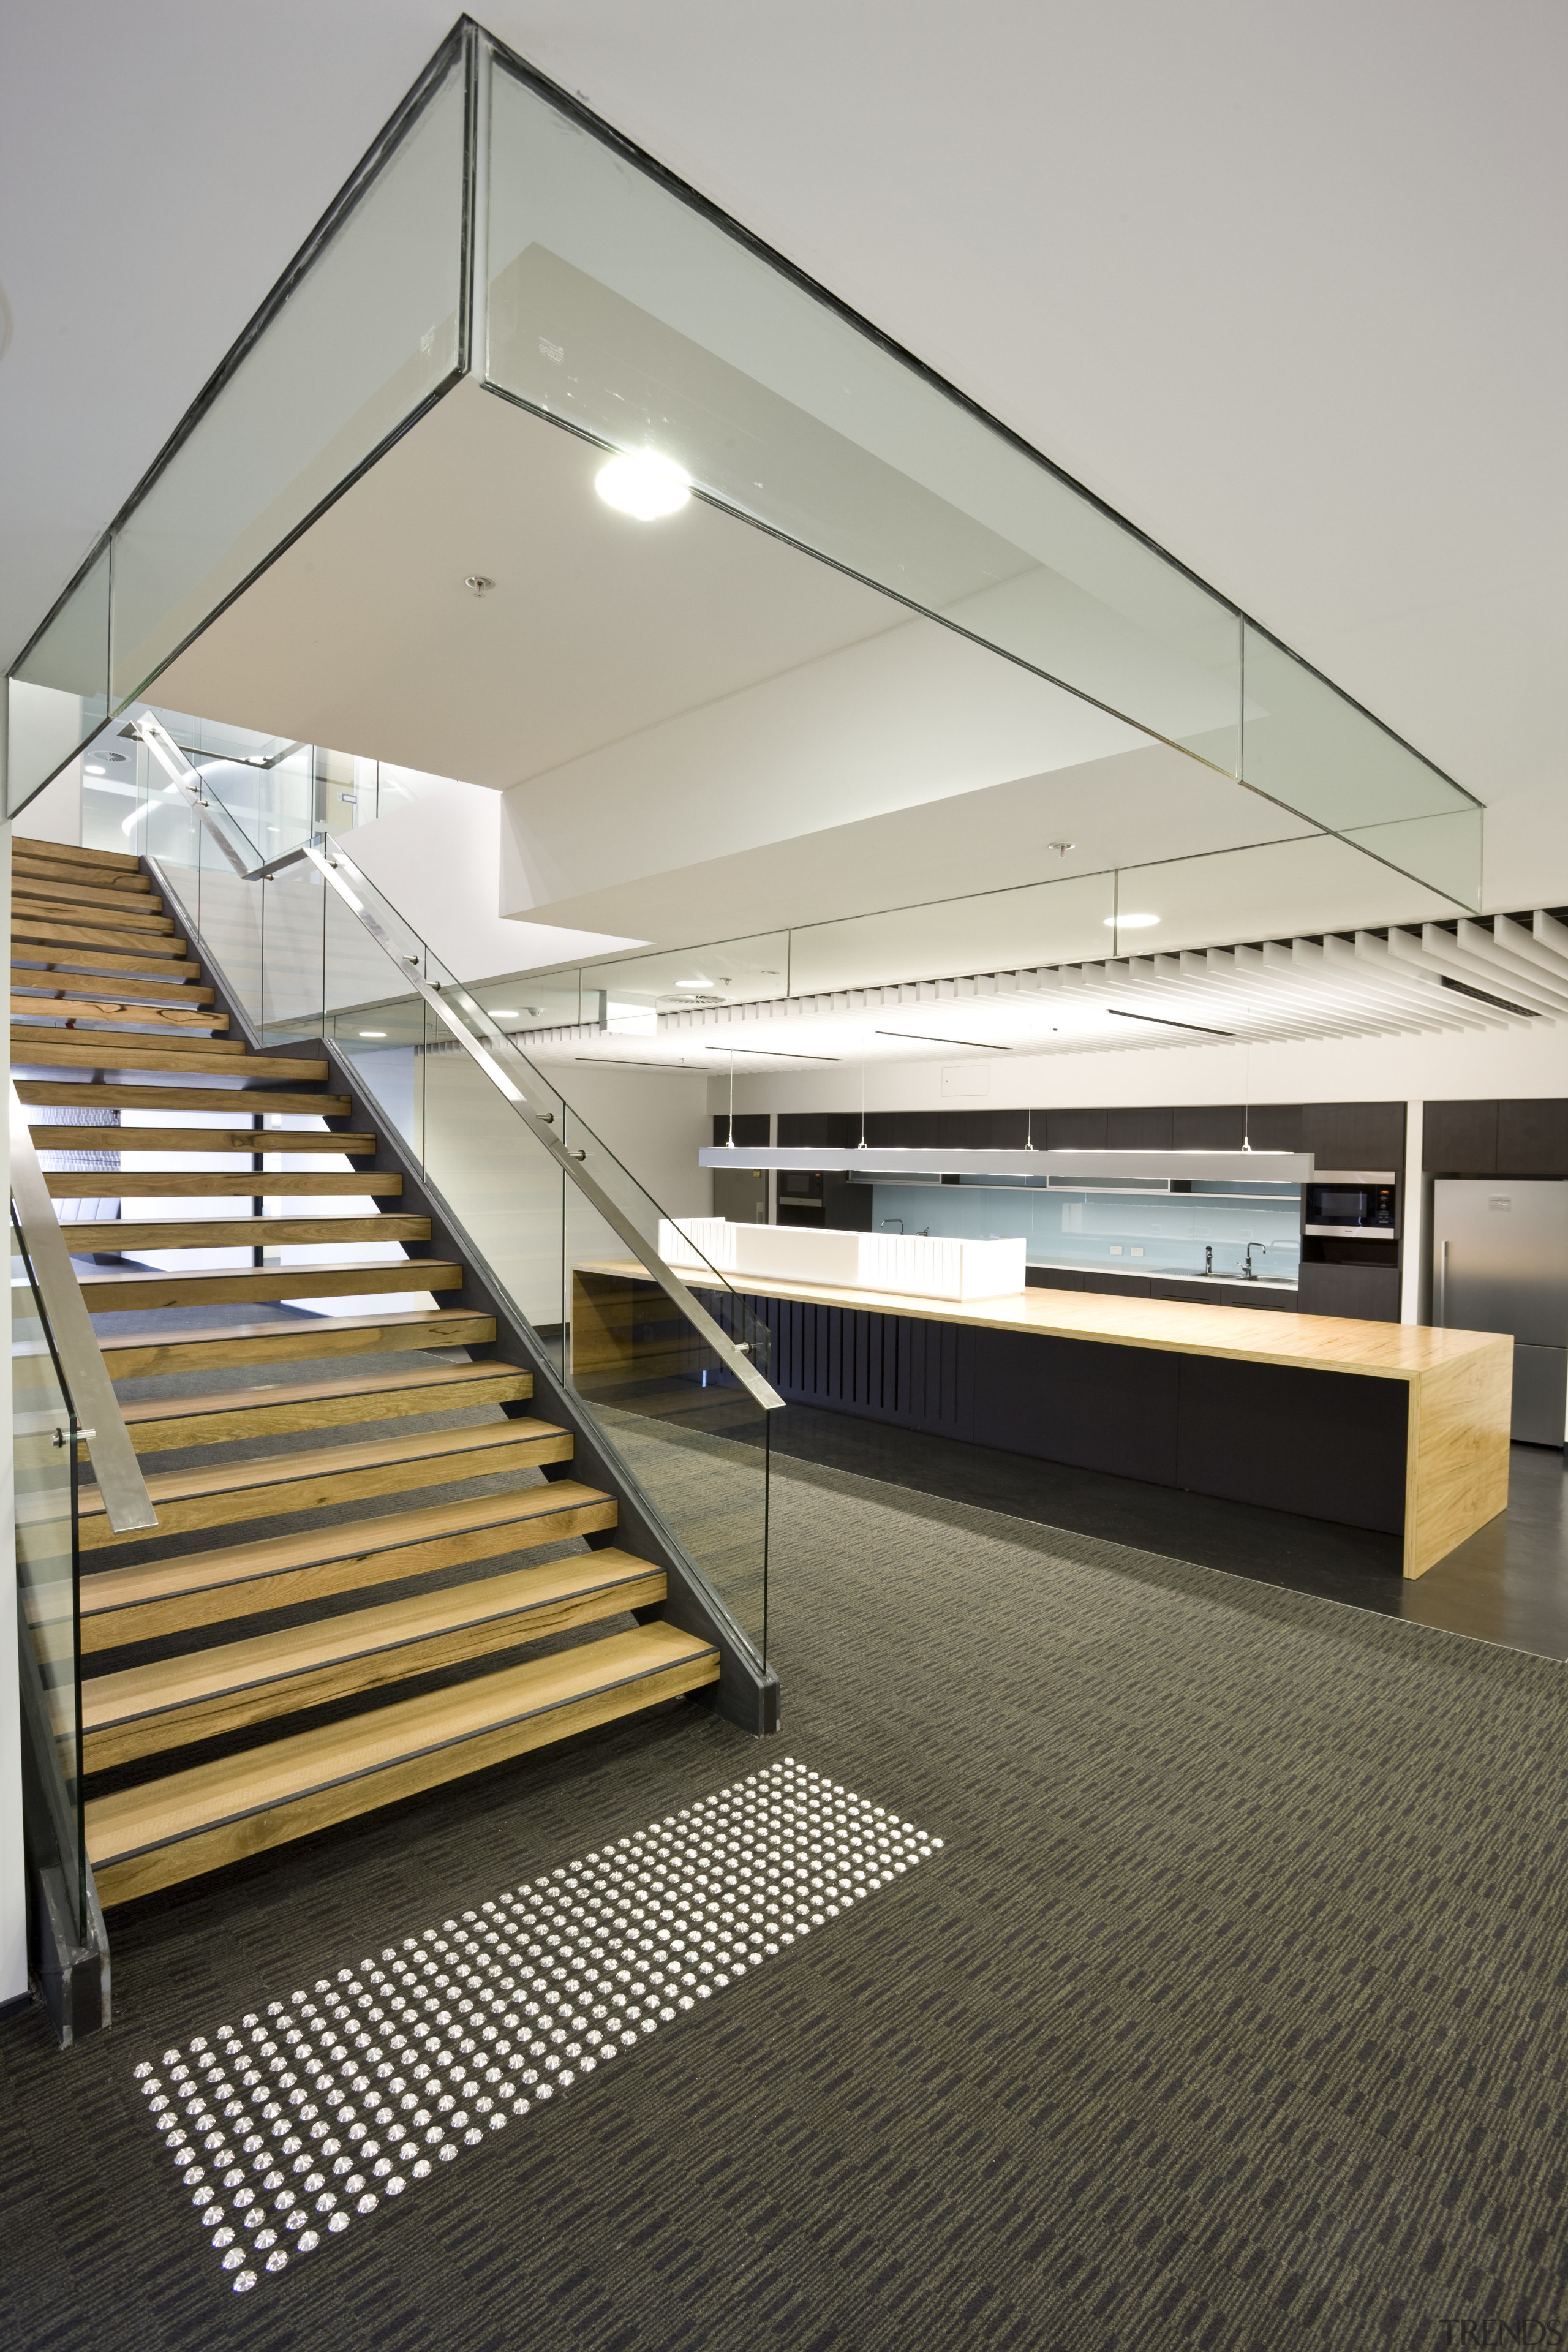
(504, 1013)
(94, 771)
(1130, 922)
(643, 484)
(373, 1032)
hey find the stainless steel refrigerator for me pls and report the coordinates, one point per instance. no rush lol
(1499, 1263)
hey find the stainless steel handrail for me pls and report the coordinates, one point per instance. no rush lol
(487, 1053)
(84, 1373)
(731, 1351)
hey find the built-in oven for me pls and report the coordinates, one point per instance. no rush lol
(1356, 1204)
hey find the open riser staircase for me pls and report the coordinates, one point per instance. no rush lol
(389, 1551)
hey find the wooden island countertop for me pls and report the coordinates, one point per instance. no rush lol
(1460, 1382)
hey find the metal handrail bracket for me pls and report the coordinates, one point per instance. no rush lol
(86, 1375)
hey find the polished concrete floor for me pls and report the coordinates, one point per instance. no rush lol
(1508, 1583)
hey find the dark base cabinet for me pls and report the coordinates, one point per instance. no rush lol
(1367, 1294)
(1328, 1446)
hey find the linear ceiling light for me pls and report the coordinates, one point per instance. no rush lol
(1159, 1022)
(1130, 922)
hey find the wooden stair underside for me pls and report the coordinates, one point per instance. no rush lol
(212, 1142)
(244, 1233)
(163, 1019)
(82, 1093)
(167, 1830)
(269, 1485)
(46, 987)
(205, 1693)
(173, 1183)
(156, 1597)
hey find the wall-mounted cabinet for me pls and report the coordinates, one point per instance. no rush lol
(1524, 1136)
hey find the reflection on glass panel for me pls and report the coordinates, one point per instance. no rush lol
(1273, 891)
(58, 692)
(1444, 851)
(45, 1450)
(619, 308)
(368, 333)
(1307, 745)
(998, 931)
(1201, 1232)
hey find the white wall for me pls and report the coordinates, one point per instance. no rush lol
(654, 1124)
(55, 813)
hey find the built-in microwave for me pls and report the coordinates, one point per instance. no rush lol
(1354, 1204)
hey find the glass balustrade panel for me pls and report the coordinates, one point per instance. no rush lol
(44, 1440)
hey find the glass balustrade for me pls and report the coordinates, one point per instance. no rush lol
(672, 1379)
(44, 1431)
(498, 236)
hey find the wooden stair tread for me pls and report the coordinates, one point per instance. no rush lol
(31, 955)
(461, 1377)
(114, 1290)
(263, 1470)
(96, 1011)
(56, 1024)
(266, 1796)
(106, 1094)
(307, 1340)
(217, 1142)
(49, 886)
(70, 853)
(131, 914)
(177, 1184)
(186, 1680)
(138, 988)
(60, 1050)
(246, 1232)
(46, 858)
(322, 1404)
(108, 1593)
(99, 937)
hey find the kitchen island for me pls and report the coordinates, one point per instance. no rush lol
(1394, 1427)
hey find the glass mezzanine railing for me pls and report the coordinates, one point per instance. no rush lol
(497, 232)
(674, 1386)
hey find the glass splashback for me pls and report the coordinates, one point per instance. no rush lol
(1119, 1229)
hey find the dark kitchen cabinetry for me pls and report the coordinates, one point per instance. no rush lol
(1532, 1137)
(1140, 1131)
(1209, 1126)
(750, 1129)
(1367, 1294)
(1459, 1139)
(1071, 1130)
(1354, 1135)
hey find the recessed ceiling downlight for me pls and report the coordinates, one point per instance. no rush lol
(643, 484)
(1130, 922)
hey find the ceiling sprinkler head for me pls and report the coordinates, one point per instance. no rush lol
(1061, 847)
(478, 582)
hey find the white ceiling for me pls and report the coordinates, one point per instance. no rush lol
(1284, 287)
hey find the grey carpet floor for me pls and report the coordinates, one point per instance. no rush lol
(1231, 2016)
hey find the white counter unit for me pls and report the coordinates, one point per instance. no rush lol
(921, 1265)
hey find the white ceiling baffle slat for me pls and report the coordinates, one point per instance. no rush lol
(1381, 955)
(1417, 993)
(1532, 950)
(1487, 948)
(1474, 972)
